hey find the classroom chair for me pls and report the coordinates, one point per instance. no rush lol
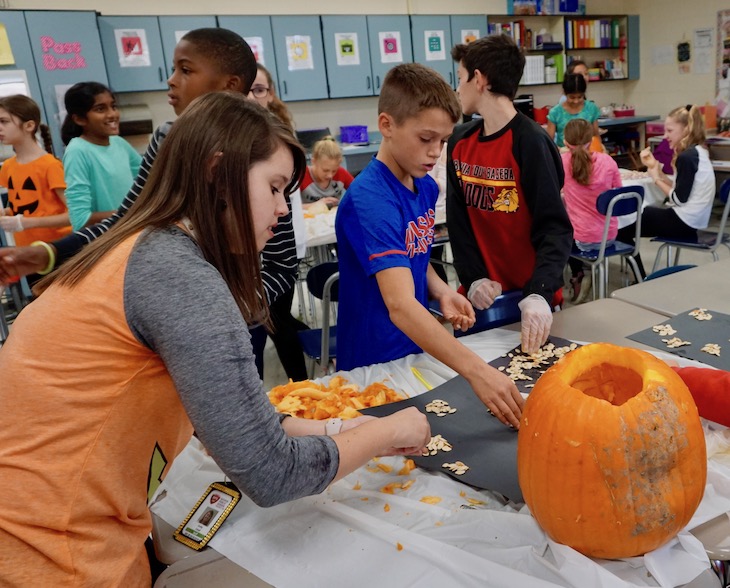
(614, 203)
(707, 240)
(320, 345)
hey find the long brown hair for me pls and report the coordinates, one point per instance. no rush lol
(276, 106)
(235, 132)
(25, 109)
(577, 135)
(689, 117)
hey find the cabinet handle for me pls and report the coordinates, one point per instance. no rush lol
(162, 79)
(451, 78)
(285, 89)
(377, 82)
(368, 79)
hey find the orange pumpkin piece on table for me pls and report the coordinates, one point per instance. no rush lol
(611, 455)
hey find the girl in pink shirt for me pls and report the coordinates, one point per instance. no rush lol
(587, 174)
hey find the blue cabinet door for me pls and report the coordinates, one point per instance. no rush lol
(257, 32)
(432, 44)
(133, 53)
(390, 44)
(174, 27)
(347, 54)
(466, 28)
(299, 57)
(14, 23)
(66, 50)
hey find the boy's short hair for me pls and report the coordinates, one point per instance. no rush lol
(410, 88)
(227, 50)
(498, 58)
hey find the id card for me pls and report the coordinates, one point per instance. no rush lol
(208, 515)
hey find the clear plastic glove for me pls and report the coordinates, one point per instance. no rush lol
(537, 318)
(482, 293)
(12, 224)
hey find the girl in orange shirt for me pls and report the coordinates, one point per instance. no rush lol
(34, 178)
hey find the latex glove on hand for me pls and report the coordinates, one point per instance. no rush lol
(12, 224)
(537, 318)
(482, 293)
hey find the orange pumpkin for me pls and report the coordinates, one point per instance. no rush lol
(611, 455)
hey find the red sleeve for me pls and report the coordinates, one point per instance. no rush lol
(306, 180)
(343, 176)
(710, 390)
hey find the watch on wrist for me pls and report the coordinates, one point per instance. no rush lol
(332, 427)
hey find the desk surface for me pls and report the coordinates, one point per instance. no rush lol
(626, 120)
(705, 286)
(363, 537)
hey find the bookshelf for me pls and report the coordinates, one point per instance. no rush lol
(609, 44)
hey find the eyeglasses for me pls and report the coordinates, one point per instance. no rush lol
(260, 91)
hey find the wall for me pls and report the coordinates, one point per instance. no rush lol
(660, 88)
(668, 23)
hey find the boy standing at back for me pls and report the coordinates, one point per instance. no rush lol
(507, 224)
(384, 233)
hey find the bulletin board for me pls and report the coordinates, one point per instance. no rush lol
(722, 99)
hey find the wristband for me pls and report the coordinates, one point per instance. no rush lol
(332, 427)
(51, 257)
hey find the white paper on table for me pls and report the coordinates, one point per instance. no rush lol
(340, 535)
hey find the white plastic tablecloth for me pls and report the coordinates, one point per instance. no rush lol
(471, 538)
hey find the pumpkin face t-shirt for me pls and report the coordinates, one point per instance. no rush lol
(31, 192)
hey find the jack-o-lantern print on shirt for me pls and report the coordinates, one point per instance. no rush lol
(31, 192)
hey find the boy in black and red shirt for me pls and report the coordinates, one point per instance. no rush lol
(507, 224)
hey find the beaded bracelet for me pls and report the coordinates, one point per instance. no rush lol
(51, 257)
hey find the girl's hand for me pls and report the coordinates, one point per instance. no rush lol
(410, 432)
(648, 159)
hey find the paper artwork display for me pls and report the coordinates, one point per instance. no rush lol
(390, 47)
(257, 46)
(179, 35)
(299, 52)
(435, 49)
(469, 35)
(132, 48)
(6, 52)
(346, 49)
(702, 63)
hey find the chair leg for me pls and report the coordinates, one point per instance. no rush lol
(635, 266)
(676, 256)
(658, 257)
(715, 256)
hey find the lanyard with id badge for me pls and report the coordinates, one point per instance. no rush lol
(208, 515)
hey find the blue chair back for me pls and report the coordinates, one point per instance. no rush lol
(317, 278)
(504, 311)
(623, 206)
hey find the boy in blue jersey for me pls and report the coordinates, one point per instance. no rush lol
(384, 234)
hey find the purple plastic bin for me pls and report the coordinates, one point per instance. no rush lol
(354, 134)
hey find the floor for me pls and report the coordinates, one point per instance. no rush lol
(274, 373)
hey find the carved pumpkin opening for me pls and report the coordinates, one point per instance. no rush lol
(613, 383)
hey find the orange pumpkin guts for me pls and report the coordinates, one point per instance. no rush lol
(611, 455)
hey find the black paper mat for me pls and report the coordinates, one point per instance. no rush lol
(477, 438)
(698, 333)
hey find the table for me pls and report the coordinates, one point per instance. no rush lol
(349, 535)
(617, 131)
(705, 286)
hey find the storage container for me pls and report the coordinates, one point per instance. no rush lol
(621, 112)
(354, 134)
